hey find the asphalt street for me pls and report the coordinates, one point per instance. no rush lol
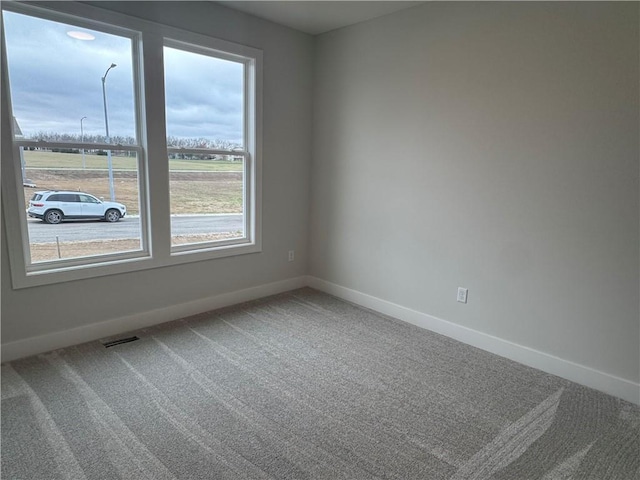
(129, 227)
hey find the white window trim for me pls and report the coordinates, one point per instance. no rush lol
(155, 222)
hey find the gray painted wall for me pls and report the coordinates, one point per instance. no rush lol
(486, 145)
(286, 158)
(493, 146)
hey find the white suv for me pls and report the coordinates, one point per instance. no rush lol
(54, 206)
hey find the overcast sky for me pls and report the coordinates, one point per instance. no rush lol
(56, 80)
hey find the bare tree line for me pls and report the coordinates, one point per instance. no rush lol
(172, 141)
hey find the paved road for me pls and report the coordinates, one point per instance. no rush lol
(129, 227)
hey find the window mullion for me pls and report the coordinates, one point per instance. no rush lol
(155, 141)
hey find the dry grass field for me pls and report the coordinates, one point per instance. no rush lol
(41, 252)
(40, 159)
(191, 192)
(196, 187)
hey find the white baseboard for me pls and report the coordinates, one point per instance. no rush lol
(581, 374)
(116, 326)
(575, 372)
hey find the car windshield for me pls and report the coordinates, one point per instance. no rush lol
(36, 197)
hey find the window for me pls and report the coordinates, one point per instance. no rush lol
(59, 87)
(88, 199)
(81, 100)
(208, 165)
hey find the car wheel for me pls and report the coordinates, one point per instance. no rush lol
(53, 216)
(112, 215)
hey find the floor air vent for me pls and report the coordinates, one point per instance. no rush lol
(120, 341)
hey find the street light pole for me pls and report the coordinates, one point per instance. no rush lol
(106, 124)
(82, 141)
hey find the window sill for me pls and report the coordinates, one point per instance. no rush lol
(23, 279)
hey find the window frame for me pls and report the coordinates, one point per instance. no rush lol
(248, 163)
(152, 151)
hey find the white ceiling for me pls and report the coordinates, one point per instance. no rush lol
(317, 17)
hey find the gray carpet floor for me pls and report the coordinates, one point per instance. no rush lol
(304, 386)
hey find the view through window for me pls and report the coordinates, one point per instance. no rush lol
(88, 190)
(72, 94)
(206, 146)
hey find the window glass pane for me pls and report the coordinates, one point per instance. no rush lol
(204, 110)
(56, 74)
(204, 100)
(86, 228)
(207, 198)
(74, 85)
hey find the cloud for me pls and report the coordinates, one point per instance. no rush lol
(55, 80)
(213, 109)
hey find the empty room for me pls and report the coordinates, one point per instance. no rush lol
(320, 240)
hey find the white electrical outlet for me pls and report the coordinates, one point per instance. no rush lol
(292, 255)
(462, 294)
